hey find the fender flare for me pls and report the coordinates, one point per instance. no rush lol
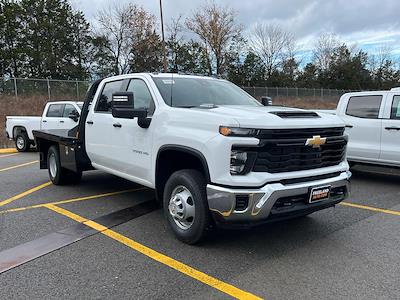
(187, 150)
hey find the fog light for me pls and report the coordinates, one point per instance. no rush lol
(238, 162)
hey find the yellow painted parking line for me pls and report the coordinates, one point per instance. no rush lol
(8, 150)
(157, 256)
(30, 191)
(376, 209)
(7, 155)
(71, 200)
(19, 166)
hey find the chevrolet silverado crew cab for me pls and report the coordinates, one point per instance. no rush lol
(56, 115)
(372, 121)
(211, 152)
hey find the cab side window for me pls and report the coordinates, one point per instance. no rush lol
(142, 96)
(55, 111)
(366, 107)
(395, 113)
(104, 102)
(67, 110)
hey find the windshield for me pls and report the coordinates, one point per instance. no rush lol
(192, 92)
(80, 105)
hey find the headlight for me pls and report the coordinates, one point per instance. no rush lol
(237, 131)
(238, 162)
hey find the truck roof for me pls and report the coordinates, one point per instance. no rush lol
(372, 92)
(155, 75)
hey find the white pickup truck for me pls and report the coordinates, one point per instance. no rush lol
(212, 153)
(372, 122)
(56, 115)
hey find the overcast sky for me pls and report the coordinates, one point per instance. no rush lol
(368, 23)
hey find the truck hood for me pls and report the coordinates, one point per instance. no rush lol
(267, 117)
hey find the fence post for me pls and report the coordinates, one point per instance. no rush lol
(15, 89)
(277, 92)
(297, 92)
(254, 91)
(287, 92)
(48, 88)
(77, 89)
(314, 93)
(322, 92)
(266, 91)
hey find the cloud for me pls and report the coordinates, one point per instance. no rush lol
(364, 22)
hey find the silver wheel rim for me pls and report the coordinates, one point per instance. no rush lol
(20, 142)
(52, 165)
(181, 207)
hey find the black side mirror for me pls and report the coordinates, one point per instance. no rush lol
(266, 101)
(122, 106)
(74, 115)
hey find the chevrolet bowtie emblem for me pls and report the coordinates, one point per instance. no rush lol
(316, 141)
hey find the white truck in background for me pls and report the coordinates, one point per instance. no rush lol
(373, 125)
(56, 115)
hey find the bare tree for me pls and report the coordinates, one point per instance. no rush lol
(174, 40)
(217, 29)
(130, 32)
(325, 47)
(378, 59)
(273, 44)
(114, 24)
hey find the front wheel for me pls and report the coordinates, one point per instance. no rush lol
(22, 142)
(185, 205)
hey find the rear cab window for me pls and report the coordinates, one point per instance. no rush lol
(366, 107)
(55, 111)
(104, 102)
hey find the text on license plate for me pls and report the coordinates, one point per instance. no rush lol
(320, 193)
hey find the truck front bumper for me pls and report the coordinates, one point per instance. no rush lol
(274, 201)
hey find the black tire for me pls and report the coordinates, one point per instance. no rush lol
(22, 142)
(195, 182)
(59, 175)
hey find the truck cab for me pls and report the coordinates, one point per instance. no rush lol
(213, 154)
(372, 121)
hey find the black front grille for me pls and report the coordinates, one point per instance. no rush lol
(285, 150)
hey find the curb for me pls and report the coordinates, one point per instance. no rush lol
(8, 150)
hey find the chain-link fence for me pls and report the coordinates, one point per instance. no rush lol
(272, 92)
(27, 96)
(49, 89)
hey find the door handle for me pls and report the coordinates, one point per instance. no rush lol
(117, 125)
(348, 126)
(44, 121)
(61, 121)
(392, 128)
(90, 122)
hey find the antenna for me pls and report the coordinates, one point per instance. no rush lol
(172, 84)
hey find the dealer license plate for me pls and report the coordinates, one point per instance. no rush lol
(319, 193)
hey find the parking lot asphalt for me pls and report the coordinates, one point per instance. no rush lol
(350, 251)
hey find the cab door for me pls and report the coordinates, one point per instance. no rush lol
(65, 121)
(100, 139)
(53, 116)
(390, 152)
(133, 143)
(363, 125)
